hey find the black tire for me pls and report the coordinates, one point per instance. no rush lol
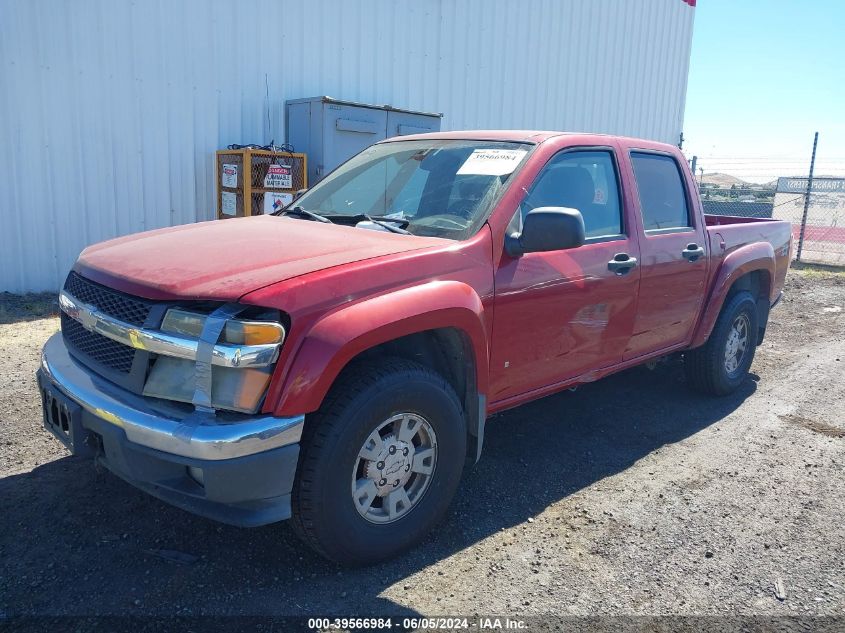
(705, 366)
(324, 514)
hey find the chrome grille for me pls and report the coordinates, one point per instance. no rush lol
(129, 309)
(98, 348)
(110, 358)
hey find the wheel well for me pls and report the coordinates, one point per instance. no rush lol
(758, 283)
(446, 351)
(449, 352)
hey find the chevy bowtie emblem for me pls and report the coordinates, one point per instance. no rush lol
(87, 319)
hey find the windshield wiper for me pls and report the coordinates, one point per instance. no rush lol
(389, 223)
(297, 210)
(390, 227)
(402, 222)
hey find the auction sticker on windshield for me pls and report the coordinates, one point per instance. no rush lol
(491, 162)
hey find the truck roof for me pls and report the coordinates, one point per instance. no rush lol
(526, 136)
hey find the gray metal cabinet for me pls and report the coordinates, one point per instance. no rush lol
(402, 123)
(330, 131)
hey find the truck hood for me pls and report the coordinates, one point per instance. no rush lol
(226, 259)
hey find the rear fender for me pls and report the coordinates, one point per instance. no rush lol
(745, 259)
(341, 335)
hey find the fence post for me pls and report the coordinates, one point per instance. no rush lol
(807, 200)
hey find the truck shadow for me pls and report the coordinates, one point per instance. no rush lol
(81, 542)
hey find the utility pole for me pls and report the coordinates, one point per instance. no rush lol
(807, 200)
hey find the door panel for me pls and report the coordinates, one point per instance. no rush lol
(673, 276)
(560, 314)
(671, 292)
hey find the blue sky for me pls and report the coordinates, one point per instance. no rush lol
(765, 75)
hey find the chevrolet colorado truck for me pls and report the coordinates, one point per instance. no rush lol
(335, 363)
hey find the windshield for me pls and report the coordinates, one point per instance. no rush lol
(441, 188)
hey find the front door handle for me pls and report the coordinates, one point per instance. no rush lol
(692, 252)
(622, 263)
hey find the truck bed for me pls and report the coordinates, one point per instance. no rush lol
(720, 220)
(728, 233)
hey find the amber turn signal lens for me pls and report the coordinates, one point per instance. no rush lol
(253, 333)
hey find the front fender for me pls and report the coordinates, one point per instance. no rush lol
(341, 335)
(745, 259)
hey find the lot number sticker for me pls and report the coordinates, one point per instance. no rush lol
(230, 176)
(491, 162)
(276, 201)
(279, 177)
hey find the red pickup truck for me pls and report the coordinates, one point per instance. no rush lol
(335, 363)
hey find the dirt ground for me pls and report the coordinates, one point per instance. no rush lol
(629, 496)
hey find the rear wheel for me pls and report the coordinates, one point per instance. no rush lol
(380, 462)
(720, 365)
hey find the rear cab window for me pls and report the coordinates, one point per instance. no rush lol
(661, 191)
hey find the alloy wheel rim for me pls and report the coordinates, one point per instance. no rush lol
(394, 468)
(737, 343)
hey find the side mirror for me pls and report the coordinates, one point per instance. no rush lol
(547, 229)
(299, 194)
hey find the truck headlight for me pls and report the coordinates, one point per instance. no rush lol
(236, 331)
(232, 388)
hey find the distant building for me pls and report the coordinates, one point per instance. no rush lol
(113, 110)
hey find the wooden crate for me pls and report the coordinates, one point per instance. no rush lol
(243, 191)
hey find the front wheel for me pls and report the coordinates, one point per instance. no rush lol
(720, 365)
(380, 462)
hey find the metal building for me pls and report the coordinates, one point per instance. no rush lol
(111, 110)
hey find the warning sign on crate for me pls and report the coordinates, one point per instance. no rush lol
(230, 176)
(229, 203)
(276, 201)
(278, 177)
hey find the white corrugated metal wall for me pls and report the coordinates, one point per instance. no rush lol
(111, 110)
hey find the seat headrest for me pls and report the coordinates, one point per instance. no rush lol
(566, 186)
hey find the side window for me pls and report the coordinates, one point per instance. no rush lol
(583, 180)
(662, 198)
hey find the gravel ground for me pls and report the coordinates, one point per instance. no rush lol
(629, 496)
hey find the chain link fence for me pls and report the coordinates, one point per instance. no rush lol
(817, 217)
(814, 205)
(821, 235)
(737, 201)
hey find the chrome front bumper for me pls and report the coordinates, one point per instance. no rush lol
(161, 426)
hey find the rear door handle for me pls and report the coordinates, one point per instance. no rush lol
(622, 263)
(692, 252)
